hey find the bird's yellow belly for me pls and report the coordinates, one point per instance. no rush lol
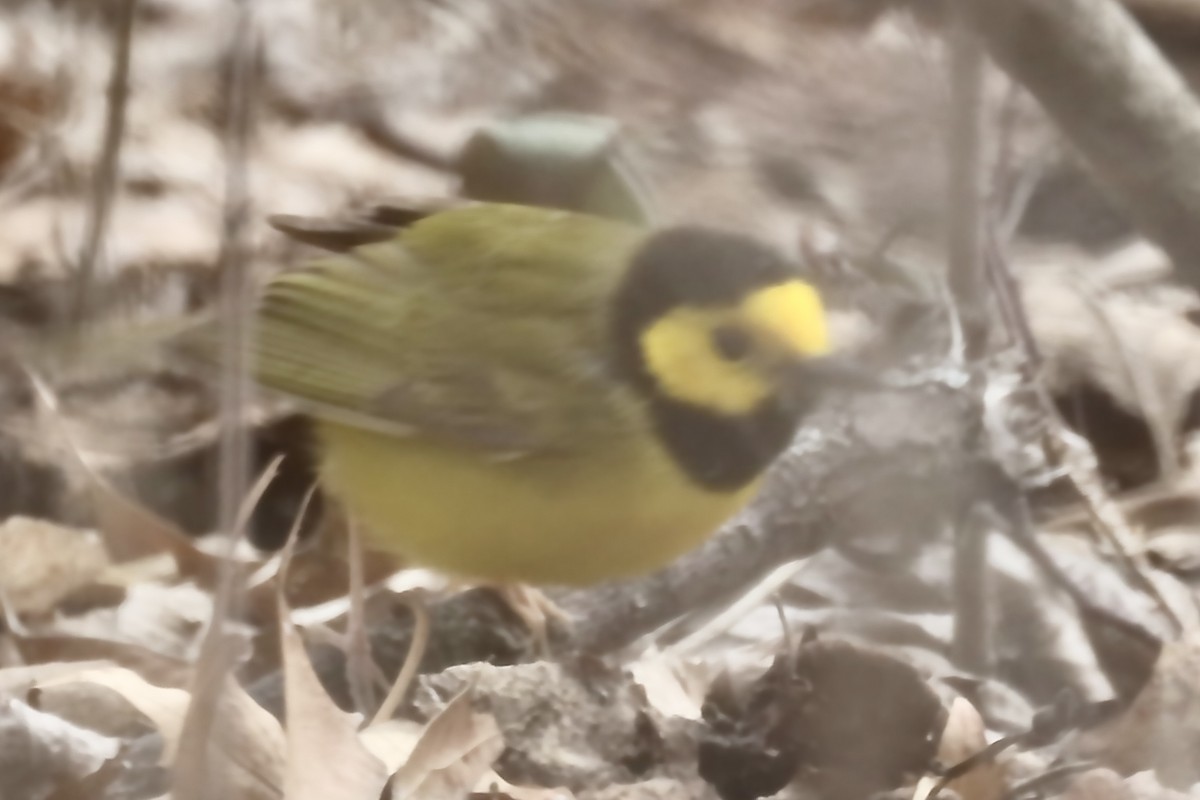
(546, 519)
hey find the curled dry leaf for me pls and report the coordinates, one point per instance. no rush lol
(246, 748)
(454, 753)
(130, 531)
(166, 620)
(43, 562)
(325, 757)
(392, 742)
(493, 787)
(1142, 355)
(133, 531)
(159, 669)
(92, 706)
(16, 680)
(1076, 329)
(965, 735)
(1176, 551)
(39, 751)
(671, 687)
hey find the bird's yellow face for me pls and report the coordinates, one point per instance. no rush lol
(726, 341)
(731, 359)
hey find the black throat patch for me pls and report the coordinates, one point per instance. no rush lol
(718, 452)
(700, 267)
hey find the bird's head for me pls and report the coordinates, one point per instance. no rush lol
(729, 344)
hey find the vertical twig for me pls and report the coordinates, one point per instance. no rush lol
(1008, 300)
(965, 190)
(236, 295)
(194, 778)
(968, 283)
(971, 646)
(361, 670)
(105, 180)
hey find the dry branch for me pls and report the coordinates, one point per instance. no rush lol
(1118, 101)
(104, 183)
(882, 466)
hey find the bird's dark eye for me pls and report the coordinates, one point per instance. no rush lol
(731, 342)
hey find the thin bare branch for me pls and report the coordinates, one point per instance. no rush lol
(964, 212)
(412, 661)
(235, 290)
(194, 777)
(1069, 450)
(104, 183)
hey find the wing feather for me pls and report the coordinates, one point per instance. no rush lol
(499, 342)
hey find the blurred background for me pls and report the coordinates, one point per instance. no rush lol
(1055, 389)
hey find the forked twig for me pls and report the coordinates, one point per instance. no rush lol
(1063, 445)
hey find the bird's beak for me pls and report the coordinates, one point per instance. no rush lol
(805, 383)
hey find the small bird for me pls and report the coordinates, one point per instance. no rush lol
(517, 394)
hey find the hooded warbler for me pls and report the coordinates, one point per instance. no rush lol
(520, 394)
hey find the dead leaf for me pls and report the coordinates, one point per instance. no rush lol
(492, 785)
(325, 756)
(133, 531)
(92, 706)
(168, 620)
(247, 744)
(159, 669)
(667, 687)
(455, 751)
(1137, 351)
(130, 530)
(39, 750)
(392, 742)
(965, 735)
(1176, 550)
(44, 562)
(18, 680)
(227, 745)
(163, 707)
(157, 568)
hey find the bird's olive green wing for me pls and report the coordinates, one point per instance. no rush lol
(485, 325)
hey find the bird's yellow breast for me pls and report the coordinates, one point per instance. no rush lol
(622, 509)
